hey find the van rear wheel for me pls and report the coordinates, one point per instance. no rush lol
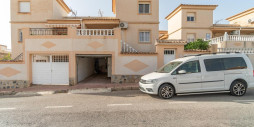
(166, 91)
(238, 88)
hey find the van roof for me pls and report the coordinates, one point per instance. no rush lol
(207, 56)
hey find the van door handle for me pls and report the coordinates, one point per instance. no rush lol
(174, 78)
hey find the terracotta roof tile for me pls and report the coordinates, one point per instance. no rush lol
(175, 42)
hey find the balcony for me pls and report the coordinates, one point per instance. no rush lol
(95, 32)
(233, 38)
(48, 31)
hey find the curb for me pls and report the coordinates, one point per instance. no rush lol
(75, 91)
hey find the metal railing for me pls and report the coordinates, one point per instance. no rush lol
(127, 48)
(95, 32)
(48, 31)
(234, 50)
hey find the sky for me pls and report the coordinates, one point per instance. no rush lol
(225, 9)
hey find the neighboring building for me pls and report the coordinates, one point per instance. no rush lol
(190, 22)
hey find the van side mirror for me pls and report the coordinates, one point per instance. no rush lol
(182, 72)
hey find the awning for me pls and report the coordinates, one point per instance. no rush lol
(62, 25)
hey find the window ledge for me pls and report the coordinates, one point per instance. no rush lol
(24, 12)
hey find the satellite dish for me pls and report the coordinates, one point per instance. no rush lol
(250, 20)
(74, 13)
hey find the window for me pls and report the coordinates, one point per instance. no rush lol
(208, 36)
(191, 17)
(190, 38)
(169, 67)
(24, 7)
(214, 64)
(225, 64)
(20, 35)
(190, 67)
(144, 36)
(234, 63)
(144, 8)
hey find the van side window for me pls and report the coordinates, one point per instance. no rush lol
(190, 67)
(214, 64)
(234, 63)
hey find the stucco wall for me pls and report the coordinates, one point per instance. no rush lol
(199, 33)
(175, 22)
(85, 68)
(176, 35)
(13, 71)
(243, 21)
(131, 36)
(236, 44)
(135, 65)
(58, 11)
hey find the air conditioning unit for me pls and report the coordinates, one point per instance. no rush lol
(123, 25)
(235, 32)
(251, 20)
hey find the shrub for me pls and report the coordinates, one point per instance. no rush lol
(6, 57)
(198, 44)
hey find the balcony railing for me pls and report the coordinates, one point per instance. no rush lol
(95, 32)
(48, 31)
(234, 50)
(227, 37)
(127, 48)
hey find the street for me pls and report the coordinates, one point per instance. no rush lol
(127, 108)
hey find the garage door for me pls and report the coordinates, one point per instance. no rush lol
(169, 55)
(50, 69)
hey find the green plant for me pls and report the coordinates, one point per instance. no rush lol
(6, 57)
(198, 44)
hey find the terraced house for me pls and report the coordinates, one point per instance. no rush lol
(51, 48)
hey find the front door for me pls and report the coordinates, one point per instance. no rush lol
(191, 81)
(169, 55)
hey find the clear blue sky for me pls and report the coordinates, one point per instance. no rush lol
(226, 9)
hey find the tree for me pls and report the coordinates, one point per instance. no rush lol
(6, 57)
(198, 44)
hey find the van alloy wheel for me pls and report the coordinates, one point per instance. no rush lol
(166, 91)
(238, 88)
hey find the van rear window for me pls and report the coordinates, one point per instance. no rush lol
(220, 64)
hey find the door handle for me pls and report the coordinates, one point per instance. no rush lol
(174, 78)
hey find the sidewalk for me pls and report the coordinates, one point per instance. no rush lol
(80, 88)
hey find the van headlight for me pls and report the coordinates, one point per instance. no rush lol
(152, 81)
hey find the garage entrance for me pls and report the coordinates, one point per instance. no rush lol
(50, 69)
(94, 68)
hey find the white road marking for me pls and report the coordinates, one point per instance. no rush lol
(182, 102)
(4, 109)
(58, 107)
(110, 105)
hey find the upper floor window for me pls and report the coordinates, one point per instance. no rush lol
(144, 36)
(20, 38)
(24, 7)
(190, 38)
(144, 8)
(191, 17)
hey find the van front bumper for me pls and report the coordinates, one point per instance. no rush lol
(147, 88)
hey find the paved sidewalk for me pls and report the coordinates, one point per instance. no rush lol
(65, 89)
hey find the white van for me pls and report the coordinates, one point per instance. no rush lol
(201, 73)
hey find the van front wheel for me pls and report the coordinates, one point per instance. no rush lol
(238, 88)
(166, 91)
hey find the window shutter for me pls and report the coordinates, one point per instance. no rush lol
(24, 6)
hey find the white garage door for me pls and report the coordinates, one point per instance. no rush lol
(50, 69)
(169, 55)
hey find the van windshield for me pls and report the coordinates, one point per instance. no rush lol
(169, 67)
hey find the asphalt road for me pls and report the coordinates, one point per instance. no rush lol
(126, 109)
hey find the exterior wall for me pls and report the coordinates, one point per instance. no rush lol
(175, 23)
(199, 33)
(179, 52)
(58, 11)
(243, 20)
(17, 46)
(13, 75)
(137, 22)
(176, 35)
(236, 44)
(85, 68)
(131, 37)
